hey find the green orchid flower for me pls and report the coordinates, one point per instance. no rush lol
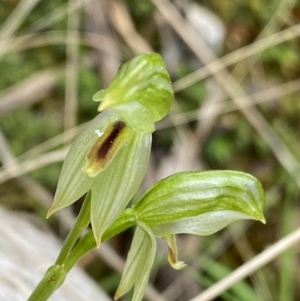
(199, 203)
(108, 161)
(108, 158)
(111, 155)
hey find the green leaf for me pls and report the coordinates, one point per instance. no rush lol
(200, 202)
(138, 264)
(143, 79)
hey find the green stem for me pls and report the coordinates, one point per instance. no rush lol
(81, 223)
(87, 243)
(52, 280)
(70, 255)
(56, 274)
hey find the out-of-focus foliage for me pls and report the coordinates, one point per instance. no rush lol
(227, 140)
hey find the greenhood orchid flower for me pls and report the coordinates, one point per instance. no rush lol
(200, 203)
(111, 155)
(109, 160)
(189, 202)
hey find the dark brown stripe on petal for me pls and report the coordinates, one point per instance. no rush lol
(109, 141)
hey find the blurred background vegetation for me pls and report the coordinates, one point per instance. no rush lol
(235, 69)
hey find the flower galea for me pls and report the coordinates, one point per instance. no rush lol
(111, 155)
(193, 202)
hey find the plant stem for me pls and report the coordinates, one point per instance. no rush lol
(87, 243)
(56, 274)
(52, 280)
(81, 223)
(70, 255)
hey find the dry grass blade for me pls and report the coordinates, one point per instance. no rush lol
(73, 41)
(14, 21)
(232, 88)
(98, 21)
(16, 170)
(89, 39)
(29, 91)
(260, 283)
(124, 25)
(48, 145)
(225, 107)
(250, 267)
(236, 56)
(55, 15)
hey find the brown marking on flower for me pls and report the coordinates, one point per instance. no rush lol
(104, 149)
(109, 141)
(172, 253)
